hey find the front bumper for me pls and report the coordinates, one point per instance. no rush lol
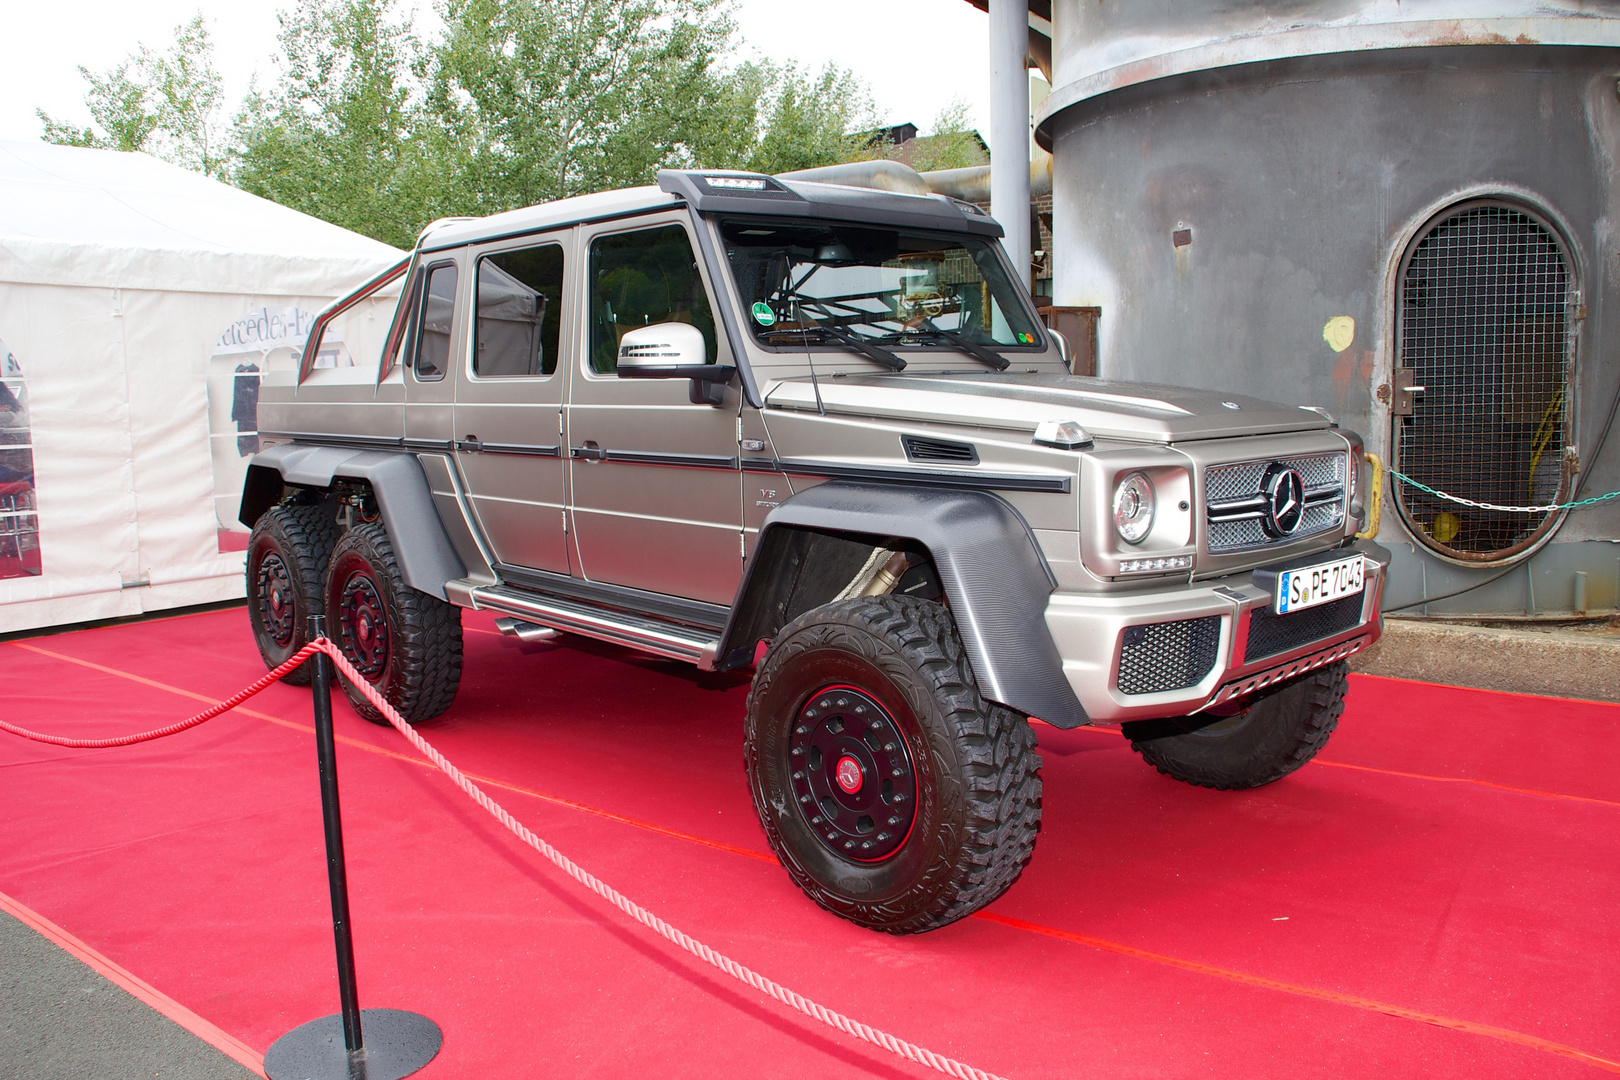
(1251, 647)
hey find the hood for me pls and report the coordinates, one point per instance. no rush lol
(1139, 412)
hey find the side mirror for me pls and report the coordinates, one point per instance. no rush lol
(1063, 348)
(674, 350)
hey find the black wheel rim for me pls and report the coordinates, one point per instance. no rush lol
(277, 614)
(852, 775)
(364, 626)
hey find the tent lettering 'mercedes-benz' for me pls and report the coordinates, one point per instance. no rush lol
(139, 307)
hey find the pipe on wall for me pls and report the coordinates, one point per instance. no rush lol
(1009, 128)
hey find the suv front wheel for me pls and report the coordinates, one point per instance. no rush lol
(405, 643)
(1265, 740)
(891, 791)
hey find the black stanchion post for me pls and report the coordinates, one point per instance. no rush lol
(337, 878)
(402, 1042)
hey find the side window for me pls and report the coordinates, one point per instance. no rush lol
(642, 278)
(433, 336)
(397, 349)
(519, 312)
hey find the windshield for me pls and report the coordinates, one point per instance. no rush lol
(804, 283)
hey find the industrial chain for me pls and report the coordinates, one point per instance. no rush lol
(1548, 508)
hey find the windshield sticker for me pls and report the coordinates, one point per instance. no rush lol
(763, 313)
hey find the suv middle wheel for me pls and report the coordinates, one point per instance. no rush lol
(891, 791)
(405, 643)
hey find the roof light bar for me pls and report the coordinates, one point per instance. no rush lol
(737, 183)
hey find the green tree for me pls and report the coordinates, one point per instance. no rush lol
(341, 135)
(952, 144)
(808, 120)
(560, 97)
(167, 105)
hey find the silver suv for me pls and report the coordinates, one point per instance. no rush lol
(817, 431)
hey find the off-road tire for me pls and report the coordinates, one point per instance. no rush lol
(977, 775)
(296, 540)
(1267, 740)
(420, 666)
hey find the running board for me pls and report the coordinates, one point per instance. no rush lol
(638, 632)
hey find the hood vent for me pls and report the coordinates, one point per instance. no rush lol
(940, 451)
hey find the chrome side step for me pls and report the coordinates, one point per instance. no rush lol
(532, 614)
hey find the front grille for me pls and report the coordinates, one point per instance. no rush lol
(1168, 655)
(1234, 503)
(1270, 633)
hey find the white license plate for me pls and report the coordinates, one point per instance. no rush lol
(1308, 586)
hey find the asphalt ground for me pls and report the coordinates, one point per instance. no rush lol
(60, 1020)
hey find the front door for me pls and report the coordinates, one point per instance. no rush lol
(508, 412)
(656, 488)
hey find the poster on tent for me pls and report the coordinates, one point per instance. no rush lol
(241, 354)
(19, 521)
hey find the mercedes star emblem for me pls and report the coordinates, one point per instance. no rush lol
(1284, 490)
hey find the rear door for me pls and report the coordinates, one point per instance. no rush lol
(508, 412)
(656, 487)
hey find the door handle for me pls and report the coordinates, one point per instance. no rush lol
(471, 444)
(589, 452)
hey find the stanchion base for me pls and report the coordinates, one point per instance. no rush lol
(398, 1043)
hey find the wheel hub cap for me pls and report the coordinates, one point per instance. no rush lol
(848, 775)
(276, 615)
(852, 775)
(364, 626)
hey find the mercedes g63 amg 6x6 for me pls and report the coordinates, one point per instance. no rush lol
(819, 431)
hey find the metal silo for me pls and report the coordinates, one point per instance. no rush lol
(1402, 212)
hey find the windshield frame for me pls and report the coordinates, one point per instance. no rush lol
(1043, 340)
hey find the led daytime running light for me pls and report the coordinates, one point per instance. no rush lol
(1161, 564)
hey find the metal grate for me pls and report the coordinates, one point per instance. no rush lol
(1484, 333)
(1168, 655)
(1270, 633)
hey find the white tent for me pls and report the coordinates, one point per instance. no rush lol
(139, 304)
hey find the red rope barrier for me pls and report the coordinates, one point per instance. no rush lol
(173, 729)
(875, 1036)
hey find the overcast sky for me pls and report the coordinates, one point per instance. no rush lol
(916, 55)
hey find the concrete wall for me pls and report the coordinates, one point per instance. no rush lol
(1302, 180)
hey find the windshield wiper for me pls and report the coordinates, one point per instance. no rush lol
(833, 331)
(856, 343)
(985, 356)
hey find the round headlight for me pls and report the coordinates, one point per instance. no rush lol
(1133, 508)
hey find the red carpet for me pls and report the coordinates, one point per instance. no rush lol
(1436, 898)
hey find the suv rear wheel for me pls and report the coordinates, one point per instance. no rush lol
(1266, 740)
(406, 643)
(286, 568)
(893, 794)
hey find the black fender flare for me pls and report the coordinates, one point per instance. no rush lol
(993, 573)
(426, 556)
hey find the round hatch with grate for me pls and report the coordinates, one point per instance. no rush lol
(1483, 331)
